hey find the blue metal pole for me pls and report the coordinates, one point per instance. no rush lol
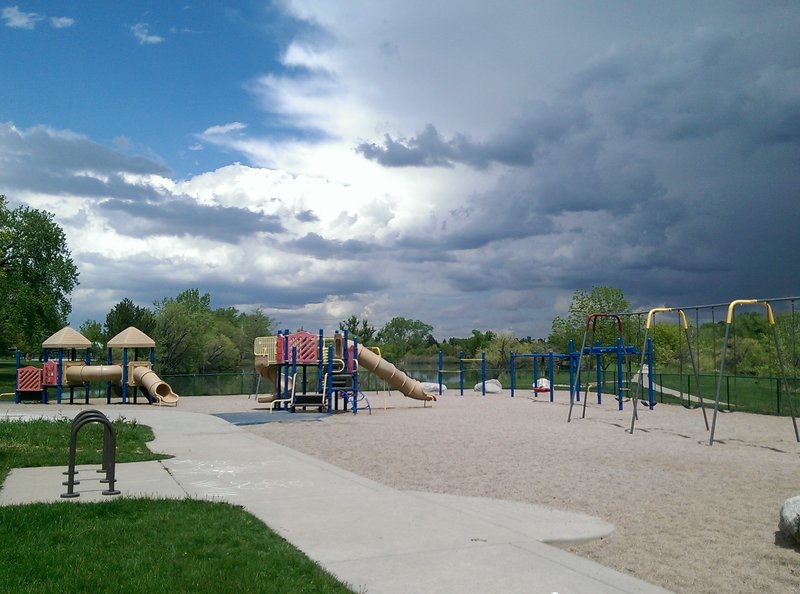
(550, 362)
(45, 359)
(461, 369)
(535, 371)
(441, 365)
(599, 371)
(294, 372)
(329, 381)
(320, 356)
(483, 373)
(355, 375)
(87, 388)
(619, 371)
(574, 386)
(511, 371)
(345, 354)
(17, 397)
(285, 388)
(60, 371)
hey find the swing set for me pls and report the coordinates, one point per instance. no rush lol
(647, 346)
(728, 343)
(781, 366)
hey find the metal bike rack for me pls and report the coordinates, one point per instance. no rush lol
(109, 451)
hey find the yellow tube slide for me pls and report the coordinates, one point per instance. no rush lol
(269, 371)
(79, 374)
(158, 389)
(391, 375)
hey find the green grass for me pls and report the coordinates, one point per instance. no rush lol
(8, 376)
(135, 545)
(43, 442)
(139, 545)
(761, 395)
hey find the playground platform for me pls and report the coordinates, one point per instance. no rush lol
(375, 538)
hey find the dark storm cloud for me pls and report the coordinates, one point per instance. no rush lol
(181, 216)
(429, 149)
(307, 216)
(316, 246)
(517, 146)
(41, 160)
(679, 181)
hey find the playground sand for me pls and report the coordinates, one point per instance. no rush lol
(689, 517)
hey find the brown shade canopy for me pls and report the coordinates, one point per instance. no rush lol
(131, 338)
(67, 338)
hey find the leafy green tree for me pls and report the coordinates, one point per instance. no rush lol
(598, 300)
(180, 331)
(37, 276)
(191, 337)
(498, 354)
(359, 328)
(251, 326)
(472, 346)
(93, 331)
(400, 336)
(125, 314)
(669, 344)
(787, 327)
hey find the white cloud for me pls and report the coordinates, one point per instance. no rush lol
(141, 31)
(223, 129)
(16, 19)
(62, 22)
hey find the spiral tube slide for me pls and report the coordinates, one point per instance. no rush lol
(158, 389)
(391, 375)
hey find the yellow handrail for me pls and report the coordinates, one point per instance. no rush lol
(656, 310)
(733, 304)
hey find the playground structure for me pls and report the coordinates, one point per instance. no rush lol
(336, 360)
(68, 370)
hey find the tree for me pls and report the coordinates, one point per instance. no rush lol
(181, 330)
(598, 300)
(250, 327)
(362, 329)
(93, 331)
(192, 338)
(125, 314)
(498, 354)
(401, 335)
(37, 276)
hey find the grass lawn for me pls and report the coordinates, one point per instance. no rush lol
(135, 545)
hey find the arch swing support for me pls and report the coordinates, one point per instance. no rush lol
(647, 347)
(781, 367)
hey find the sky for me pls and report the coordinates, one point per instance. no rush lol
(467, 164)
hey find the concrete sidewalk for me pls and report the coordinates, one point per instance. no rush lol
(375, 538)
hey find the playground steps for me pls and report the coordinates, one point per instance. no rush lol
(308, 400)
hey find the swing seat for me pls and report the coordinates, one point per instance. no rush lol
(542, 385)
